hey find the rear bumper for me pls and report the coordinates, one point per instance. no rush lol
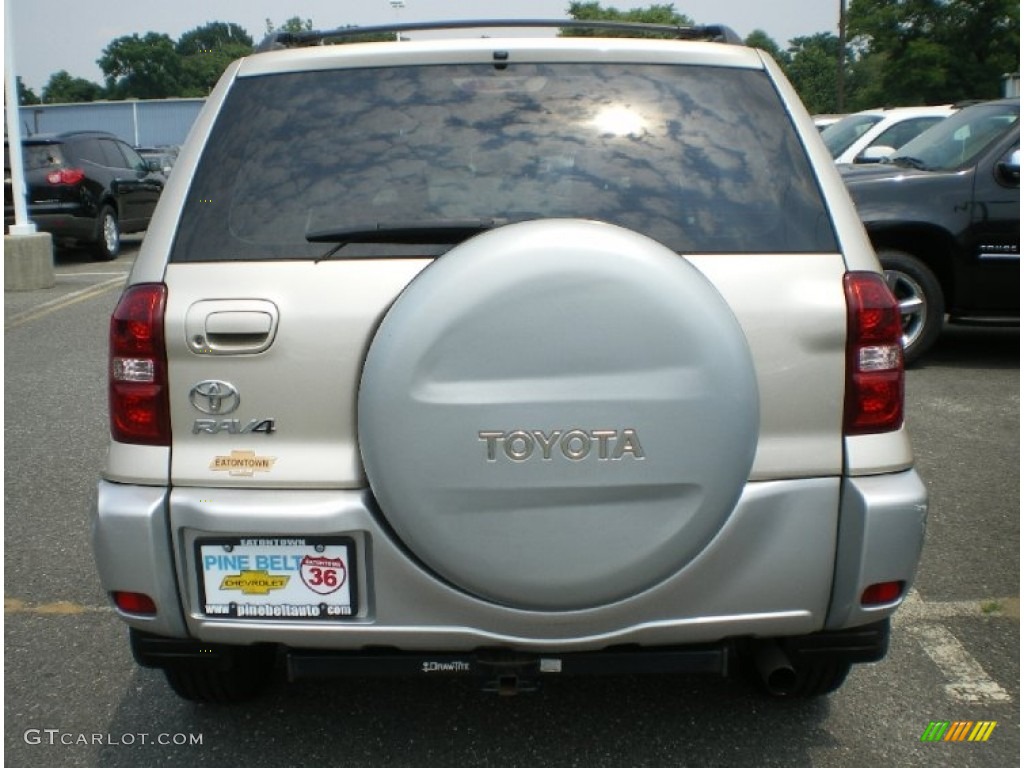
(771, 571)
(66, 225)
(497, 670)
(881, 533)
(505, 671)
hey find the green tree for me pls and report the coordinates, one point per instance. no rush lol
(25, 94)
(936, 51)
(294, 24)
(211, 37)
(143, 67)
(759, 39)
(593, 11)
(206, 52)
(864, 85)
(985, 35)
(62, 88)
(812, 70)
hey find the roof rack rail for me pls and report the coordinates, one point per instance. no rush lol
(716, 33)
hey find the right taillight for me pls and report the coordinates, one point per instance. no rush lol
(874, 357)
(139, 411)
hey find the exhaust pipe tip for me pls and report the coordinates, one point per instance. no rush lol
(775, 669)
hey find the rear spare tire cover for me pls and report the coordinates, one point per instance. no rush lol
(558, 414)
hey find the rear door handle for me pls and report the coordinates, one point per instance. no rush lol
(231, 326)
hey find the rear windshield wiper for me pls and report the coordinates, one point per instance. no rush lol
(440, 231)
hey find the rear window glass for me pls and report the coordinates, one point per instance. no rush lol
(37, 157)
(702, 159)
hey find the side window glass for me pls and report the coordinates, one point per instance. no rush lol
(135, 161)
(901, 133)
(112, 155)
(89, 151)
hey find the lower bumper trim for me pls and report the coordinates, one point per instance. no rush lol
(506, 671)
(865, 644)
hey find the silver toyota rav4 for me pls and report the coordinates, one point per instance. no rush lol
(506, 357)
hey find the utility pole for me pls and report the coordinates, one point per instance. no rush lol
(841, 71)
(28, 254)
(397, 5)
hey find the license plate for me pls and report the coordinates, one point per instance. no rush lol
(277, 577)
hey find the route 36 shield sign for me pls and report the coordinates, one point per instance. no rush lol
(323, 575)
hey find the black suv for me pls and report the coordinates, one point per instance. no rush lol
(85, 187)
(944, 217)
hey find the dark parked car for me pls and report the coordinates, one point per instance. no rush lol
(944, 217)
(159, 159)
(85, 188)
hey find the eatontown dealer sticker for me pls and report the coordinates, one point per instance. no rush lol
(242, 463)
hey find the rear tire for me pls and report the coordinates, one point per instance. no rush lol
(206, 672)
(243, 676)
(817, 678)
(808, 678)
(922, 305)
(108, 241)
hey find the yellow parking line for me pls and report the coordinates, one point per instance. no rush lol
(58, 608)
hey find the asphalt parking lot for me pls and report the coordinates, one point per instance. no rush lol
(79, 278)
(73, 696)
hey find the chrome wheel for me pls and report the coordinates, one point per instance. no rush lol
(913, 304)
(108, 240)
(921, 302)
(111, 233)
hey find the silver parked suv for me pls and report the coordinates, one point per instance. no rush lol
(506, 357)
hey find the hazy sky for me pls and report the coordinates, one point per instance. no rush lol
(51, 35)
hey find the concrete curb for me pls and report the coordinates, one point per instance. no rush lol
(28, 262)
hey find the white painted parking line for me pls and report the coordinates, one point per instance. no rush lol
(915, 609)
(71, 275)
(53, 305)
(967, 681)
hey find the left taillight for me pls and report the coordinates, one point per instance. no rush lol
(139, 408)
(69, 176)
(134, 602)
(874, 357)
